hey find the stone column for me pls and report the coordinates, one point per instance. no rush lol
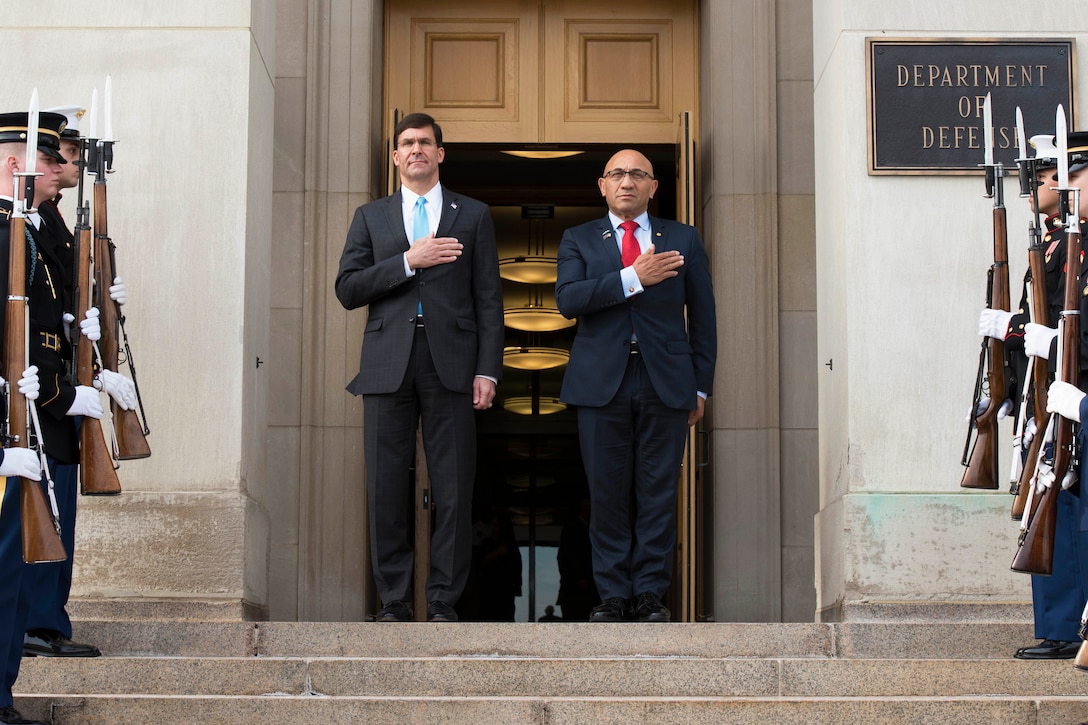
(740, 223)
(328, 124)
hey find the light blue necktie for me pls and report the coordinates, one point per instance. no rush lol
(420, 228)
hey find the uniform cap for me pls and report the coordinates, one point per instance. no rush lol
(72, 114)
(13, 127)
(1078, 150)
(1046, 151)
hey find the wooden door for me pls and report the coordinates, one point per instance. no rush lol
(544, 71)
(687, 595)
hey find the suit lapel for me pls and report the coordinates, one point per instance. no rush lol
(610, 245)
(394, 215)
(451, 207)
(658, 236)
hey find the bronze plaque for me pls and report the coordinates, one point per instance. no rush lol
(925, 99)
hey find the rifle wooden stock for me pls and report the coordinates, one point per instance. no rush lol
(1081, 660)
(982, 468)
(128, 430)
(41, 539)
(97, 476)
(1040, 379)
(1036, 552)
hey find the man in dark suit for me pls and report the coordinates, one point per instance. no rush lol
(424, 262)
(639, 374)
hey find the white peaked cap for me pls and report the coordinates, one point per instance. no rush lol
(73, 114)
(1044, 146)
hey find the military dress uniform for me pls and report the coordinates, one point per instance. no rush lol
(14, 596)
(1058, 599)
(13, 607)
(49, 584)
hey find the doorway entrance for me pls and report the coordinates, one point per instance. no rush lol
(531, 496)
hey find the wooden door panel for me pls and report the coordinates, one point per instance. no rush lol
(610, 74)
(474, 66)
(544, 71)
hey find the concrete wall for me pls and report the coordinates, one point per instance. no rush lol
(190, 211)
(901, 264)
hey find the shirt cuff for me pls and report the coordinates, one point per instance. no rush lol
(408, 271)
(631, 285)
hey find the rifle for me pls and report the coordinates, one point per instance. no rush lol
(1080, 662)
(129, 431)
(1035, 554)
(97, 476)
(40, 530)
(1039, 378)
(982, 462)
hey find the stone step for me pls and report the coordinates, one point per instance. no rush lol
(171, 671)
(114, 710)
(866, 640)
(491, 676)
(498, 676)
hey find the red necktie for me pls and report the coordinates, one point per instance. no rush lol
(630, 244)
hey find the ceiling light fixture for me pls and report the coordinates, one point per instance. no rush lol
(534, 358)
(542, 153)
(535, 266)
(523, 405)
(528, 269)
(535, 315)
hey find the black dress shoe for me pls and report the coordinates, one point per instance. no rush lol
(613, 609)
(1049, 649)
(44, 643)
(648, 608)
(11, 716)
(395, 611)
(440, 612)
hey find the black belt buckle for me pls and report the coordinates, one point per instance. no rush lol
(419, 321)
(635, 348)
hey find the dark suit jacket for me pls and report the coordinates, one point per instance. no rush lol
(462, 300)
(680, 358)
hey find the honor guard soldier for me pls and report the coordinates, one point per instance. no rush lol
(49, 628)
(14, 596)
(1058, 599)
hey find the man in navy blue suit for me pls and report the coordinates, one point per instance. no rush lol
(640, 369)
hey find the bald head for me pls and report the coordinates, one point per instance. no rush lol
(628, 184)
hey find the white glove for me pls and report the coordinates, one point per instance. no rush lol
(90, 327)
(28, 384)
(21, 462)
(117, 291)
(984, 405)
(68, 318)
(1044, 478)
(994, 323)
(1030, 429)
(1064, 399)
(87, 403)
(120, 388)
(1038, 338)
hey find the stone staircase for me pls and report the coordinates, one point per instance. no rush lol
(883, 670)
